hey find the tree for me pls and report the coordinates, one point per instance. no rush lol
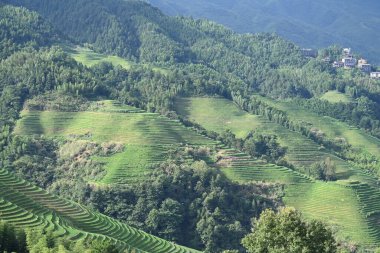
(287, 232)
(103, 247)
(325, 170)
(167, 220)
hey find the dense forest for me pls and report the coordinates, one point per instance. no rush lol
(183, 199)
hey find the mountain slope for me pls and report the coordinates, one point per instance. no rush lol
(26, 205)
(202, 58)
(308, 23)
(314, 198)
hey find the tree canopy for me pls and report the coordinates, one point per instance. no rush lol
(287, 231)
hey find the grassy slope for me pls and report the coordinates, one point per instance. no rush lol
(90, 58)
(336, 97)
(331, 127)
(26, 205)
(220, 114)
(146, 136)
(336, 202)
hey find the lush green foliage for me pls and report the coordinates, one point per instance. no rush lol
(325, 170)
(192, 205)
(288, 232)
(315, 199)
(178, 202)
(200, 58)
(21, 28)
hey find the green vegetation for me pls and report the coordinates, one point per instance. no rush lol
(336, 97)
(89, 58)
(218, 114)
(185, 203)
(331, 128)
(314, 24)
(147, 136)
(25, 205)
(24, 240)
(286, 231)
(315, 199)
(72, 132)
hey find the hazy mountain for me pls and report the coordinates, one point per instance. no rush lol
(308, 23)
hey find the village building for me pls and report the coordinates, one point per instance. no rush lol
(347, 52)
(308, 52)
(349, 62)
(366, 68)
(375, 75)
(362, 62)
(338, 64)
(327, 60)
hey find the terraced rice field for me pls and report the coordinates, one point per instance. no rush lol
(146, 136)
(242, 168)
(346, 204)
(331, 127)
(336, 204)
(353, 211)
(25, 205)
(220, 114)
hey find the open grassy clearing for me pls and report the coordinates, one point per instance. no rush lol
(90, 58)
(331, 127)
(25, 205)
(339, 203)
(336, 97)
(147, 136)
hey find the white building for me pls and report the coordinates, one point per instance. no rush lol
(347, 51)
(362, 62)
(338, 64)
(375, 75)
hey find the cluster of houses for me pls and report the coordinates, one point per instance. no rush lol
(348, 61)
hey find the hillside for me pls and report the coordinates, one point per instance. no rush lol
(26, 205)
(307, 23)
(146, 137)
(310, 196)
(97, 115)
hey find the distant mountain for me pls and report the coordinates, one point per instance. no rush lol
(308, 23)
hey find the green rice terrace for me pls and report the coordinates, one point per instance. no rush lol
(147, 137)
(220, 114)
(352, 203)
(25, 205)
(331, 127)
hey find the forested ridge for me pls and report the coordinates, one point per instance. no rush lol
(307, 23)
(184, 199)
